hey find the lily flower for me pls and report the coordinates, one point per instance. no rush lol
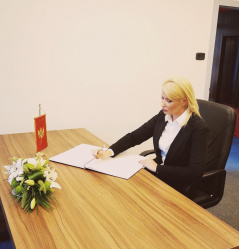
(19, 178)
(51, 176)
(36, 163)
(14, 170)
(32, 162)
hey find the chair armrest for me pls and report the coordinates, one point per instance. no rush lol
(212, 183)
(213, 173)
(147, 152)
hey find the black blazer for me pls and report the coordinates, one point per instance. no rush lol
(186, 159)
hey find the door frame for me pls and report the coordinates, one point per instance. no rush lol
(233, 4)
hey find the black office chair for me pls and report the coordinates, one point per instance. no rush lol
(221, 121)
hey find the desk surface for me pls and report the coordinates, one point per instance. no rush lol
(94, 210)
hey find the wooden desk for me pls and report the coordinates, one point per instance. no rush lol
(99, 211)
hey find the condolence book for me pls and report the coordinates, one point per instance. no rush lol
(81, 157)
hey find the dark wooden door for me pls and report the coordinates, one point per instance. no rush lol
(224, 86)
(227, 86)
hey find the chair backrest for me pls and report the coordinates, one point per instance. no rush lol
(221, 120)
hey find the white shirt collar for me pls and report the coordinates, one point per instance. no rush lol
(180, 120)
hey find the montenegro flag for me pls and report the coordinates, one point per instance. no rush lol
(40, 130)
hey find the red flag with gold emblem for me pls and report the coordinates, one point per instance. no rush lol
(40, 130)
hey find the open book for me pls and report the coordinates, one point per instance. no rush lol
(81, 157)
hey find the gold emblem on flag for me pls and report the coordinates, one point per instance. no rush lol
(41, 132)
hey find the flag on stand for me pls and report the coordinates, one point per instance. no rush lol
(40, 131)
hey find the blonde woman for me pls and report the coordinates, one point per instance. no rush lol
(179, 137)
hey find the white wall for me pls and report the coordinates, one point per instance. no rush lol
(98, 64)
(229, 3)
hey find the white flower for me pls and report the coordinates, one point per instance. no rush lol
(32, 161)
(19, 178)
(14, 170)
(8, 168)
(42, 161)
(36, 162)
(51, 176)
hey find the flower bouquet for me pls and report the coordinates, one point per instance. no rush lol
(32, 180)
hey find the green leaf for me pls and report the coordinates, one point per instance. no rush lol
(14, 183)
(39, 164)
(46, 162)
(14, 159)
(36, 176)
(19, 189)
(25, 197)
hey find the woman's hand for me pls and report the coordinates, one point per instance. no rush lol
(102, 154)
(149, 163)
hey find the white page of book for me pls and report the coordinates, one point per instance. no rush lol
(77, 156)
(123, 166)
(81, 157)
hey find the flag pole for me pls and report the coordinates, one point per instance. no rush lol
(39, 109)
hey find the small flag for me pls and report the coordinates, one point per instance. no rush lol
(40, 131)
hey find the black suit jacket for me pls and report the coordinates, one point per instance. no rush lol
(186, 159)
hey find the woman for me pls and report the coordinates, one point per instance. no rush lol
(179, 137)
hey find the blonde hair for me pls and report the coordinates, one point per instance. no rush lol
(178, 87)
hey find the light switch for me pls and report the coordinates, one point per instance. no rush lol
(200, 56)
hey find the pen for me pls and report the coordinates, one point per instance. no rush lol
(95, 155)
(103, 148)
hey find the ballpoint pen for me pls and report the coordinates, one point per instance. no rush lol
(103, 148)
(94, 156)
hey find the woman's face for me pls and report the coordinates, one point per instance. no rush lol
(174, 108)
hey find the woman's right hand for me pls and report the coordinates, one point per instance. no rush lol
(102, 154)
